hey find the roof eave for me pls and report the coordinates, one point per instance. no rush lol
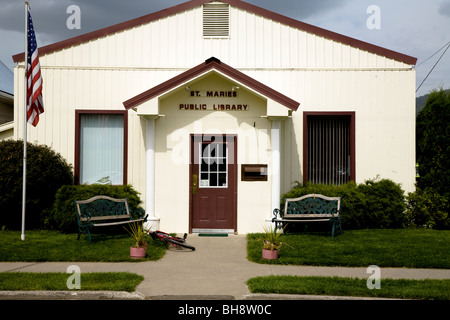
(208, 65)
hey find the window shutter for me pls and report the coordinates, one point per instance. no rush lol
(216, 20)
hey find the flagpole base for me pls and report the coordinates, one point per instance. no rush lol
(22, 236)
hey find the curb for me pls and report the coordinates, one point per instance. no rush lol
(70, 295)
(122, 295)
(272, 296)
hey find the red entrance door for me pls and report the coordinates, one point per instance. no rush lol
(213, 183)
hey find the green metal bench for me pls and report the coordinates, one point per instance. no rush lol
(310, 208)
(103, 211)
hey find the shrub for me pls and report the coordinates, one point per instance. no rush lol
(373, 204)
(428, 209)
(47, 171)
(433, 143)
(385, 204)
(63, 210)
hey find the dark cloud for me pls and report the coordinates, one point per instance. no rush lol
(298, 9)
(50, 16)
(444, 8)
(100, 14)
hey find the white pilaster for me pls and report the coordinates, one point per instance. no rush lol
(276, 166)
(152, 220)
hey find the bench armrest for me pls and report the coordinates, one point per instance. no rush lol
(277, 213)
(138, 214)
(87, 215)
(84, 220)
(337, 214)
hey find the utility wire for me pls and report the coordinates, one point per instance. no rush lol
(432, 55)
(448, 46)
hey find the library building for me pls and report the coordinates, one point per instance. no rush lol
(212, 110)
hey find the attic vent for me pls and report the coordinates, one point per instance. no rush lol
(216, 20)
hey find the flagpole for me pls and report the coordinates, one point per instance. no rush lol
(24, 188)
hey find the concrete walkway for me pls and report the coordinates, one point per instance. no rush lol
(217, 269)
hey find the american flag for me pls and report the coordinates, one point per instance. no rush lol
(35, 104)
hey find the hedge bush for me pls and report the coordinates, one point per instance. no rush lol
(373, 204)
(428, 209)
(47, 171)
(433, 143)
(63, 215)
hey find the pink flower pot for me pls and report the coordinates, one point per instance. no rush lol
(137, 253)
(269, 254)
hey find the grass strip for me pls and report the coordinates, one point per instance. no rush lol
(54, 281)
(40, 246)
(341, 286)
(410, 248)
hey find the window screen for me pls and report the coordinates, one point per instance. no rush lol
(102, 148)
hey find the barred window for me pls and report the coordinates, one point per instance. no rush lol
(328, 149)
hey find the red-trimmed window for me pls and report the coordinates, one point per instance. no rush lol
(329, 147)
(101, 147)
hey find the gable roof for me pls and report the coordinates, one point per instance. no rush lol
(235, 3)
(201, 69)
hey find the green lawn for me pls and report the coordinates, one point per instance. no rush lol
(105, 281)
(411, 248)
(352, 287)
(54, 246)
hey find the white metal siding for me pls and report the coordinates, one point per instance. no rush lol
(321, 74)
(255, 42)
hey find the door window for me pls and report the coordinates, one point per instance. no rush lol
(213, 166)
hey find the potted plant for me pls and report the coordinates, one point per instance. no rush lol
(271, 244)
(138, 233)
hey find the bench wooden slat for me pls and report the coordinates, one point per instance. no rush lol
(301, 220)
(310, 215)
(103, 218)
(100, 198)
(116, 223)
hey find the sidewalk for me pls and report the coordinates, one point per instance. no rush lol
(217, 269)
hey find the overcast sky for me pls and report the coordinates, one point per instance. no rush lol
(418, 28)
